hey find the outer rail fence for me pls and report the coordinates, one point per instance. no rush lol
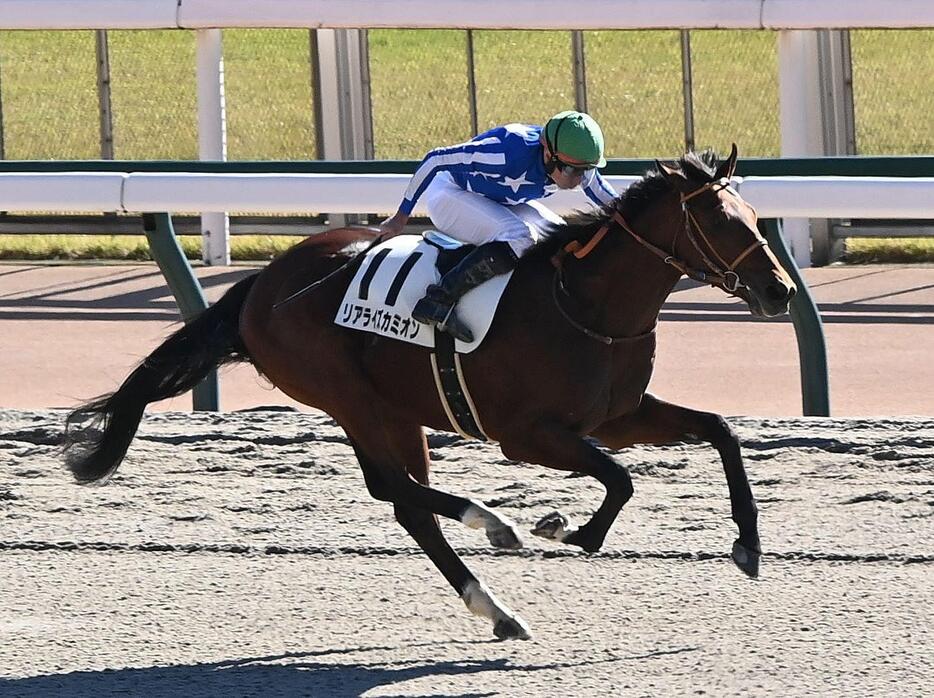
(842, 166)
(832, 187)
(477, 14)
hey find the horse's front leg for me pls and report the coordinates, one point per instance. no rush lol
(556, 447)
(656, 421)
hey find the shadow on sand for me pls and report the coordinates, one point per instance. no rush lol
(293, 674)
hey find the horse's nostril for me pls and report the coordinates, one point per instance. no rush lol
(779, 292)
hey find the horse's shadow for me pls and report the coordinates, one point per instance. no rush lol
(293, 674)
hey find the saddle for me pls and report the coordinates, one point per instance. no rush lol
(393, 277)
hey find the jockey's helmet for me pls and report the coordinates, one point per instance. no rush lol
(576, 135)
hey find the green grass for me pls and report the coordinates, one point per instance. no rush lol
(49, 95)
(269, 96)
(132, 247)
(266, 247)
(893, 91)
(889, 250)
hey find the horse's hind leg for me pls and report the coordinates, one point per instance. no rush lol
(423, 526)
(656, 421)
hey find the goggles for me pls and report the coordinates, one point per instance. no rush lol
(568, 169)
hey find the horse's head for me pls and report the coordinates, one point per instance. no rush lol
(720, 242)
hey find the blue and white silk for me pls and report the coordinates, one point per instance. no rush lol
(505, 164)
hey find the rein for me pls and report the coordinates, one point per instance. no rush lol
(722, 276)
(605, 339)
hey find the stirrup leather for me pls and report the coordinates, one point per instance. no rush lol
(443, 325)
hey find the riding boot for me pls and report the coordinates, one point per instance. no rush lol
(437, 307)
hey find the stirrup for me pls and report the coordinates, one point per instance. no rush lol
(449, 323)
(429, 311)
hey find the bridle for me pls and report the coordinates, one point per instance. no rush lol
(722, 275)
(719, 273)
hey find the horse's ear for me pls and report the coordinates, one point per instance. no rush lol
(669, 169)
(728, 166)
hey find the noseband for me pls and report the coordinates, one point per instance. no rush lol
(722, 275)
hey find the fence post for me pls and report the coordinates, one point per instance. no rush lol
(212, 137)
(816, 117)
(809, 331)
(800, 117)
(472, 85)
(105, 111)
(2, 152)
(343, 110)
(185, 288)
(687, 89)
(839, 126)
(579, 60)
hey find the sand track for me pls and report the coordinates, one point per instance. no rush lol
(240, 554)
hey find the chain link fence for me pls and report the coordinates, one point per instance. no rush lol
(270, 102)
(634, 91)
(420, 91)
(154, 98)
(893, 91)
(735, 78)
(48, 92)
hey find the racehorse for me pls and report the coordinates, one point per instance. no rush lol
(569, 356)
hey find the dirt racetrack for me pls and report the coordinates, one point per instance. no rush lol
(70, 332)
(240, 554)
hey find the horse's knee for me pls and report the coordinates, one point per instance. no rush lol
(624, 484)
(615, 477)
(374, 480)
(719, 432)
(376, 485)
(410, 518)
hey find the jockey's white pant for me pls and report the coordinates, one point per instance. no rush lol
(475, 219)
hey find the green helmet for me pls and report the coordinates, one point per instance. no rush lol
(576, 135)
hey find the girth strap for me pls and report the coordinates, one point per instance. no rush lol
(452, 389)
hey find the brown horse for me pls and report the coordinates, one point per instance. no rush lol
(569, 356)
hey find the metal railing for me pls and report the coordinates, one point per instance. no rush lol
(842, 166)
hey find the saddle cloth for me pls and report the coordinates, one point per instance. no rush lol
(393, 278)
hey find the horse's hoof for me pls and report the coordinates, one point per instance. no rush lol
(504, 537)
(746, 559)
(553, 526)
(582, 540)
(512, 629)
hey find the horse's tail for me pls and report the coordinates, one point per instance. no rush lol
(95, 449)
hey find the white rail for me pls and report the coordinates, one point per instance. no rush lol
(476, 14)
(774, 197)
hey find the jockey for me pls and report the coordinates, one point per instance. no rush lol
(485, 192)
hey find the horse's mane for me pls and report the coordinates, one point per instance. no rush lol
(582, 225)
